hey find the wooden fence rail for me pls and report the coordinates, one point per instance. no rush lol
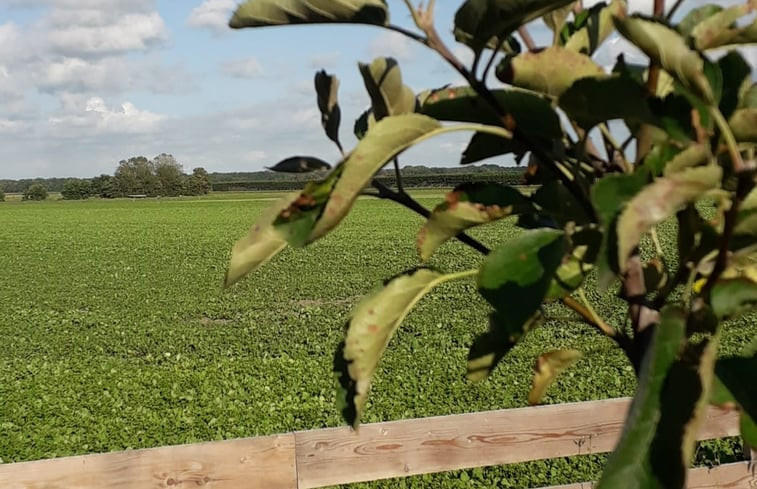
(332, 456)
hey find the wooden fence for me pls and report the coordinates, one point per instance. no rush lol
(332, 456)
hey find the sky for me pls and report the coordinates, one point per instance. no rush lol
(87, 83)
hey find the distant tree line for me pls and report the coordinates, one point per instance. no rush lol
(162, 176)
(412, 176)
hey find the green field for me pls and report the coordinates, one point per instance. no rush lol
(115, 333)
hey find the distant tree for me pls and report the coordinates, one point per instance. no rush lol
(77, 189)
(136, 176)
(36, 191)
(170, 174)
(2, 195)
(198, 183)
(104, 187)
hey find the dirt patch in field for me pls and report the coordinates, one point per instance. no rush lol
(208, 322)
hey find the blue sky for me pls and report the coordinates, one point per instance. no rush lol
(86, 83)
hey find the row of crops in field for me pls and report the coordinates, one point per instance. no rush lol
(115, 334)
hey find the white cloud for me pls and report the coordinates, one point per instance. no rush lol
(212, 14)
(324, 61)
(99, 34)
(392, 44)
(243, 68)
(255, 156)
(94, 114)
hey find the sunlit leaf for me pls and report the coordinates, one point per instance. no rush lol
(548, 367)
(370, 328)
(478, 21)
(569, 275)
(327, 90)
(597, 27)
(694, 155)
(743, 124)
(718, 29)
(300, 164)
(667, 47)
(660, 200)
(695, 16)
(592, 100)
(261, 244)
(323, 205)
(389, 96)
(468, 205)
(550, 71)
(746, 223)
(260, 13)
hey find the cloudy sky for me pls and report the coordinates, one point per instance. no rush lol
(86, 83)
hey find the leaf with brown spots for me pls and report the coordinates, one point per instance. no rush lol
(261, 244)
(389, 96)
(470, 204)
(550, 71)
(371, 327)
(260, 13)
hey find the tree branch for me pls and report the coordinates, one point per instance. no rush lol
(404, 199)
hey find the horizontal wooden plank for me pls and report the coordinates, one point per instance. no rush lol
(420, 446)
(739, 475)
(264, 463)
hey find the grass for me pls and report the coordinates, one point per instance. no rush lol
(115, 334)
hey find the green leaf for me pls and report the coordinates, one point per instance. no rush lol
(550, 71)
(260, 13)
(733, 297)
(548, 367)
(629, 466)
(468, 205)
(559, 203)
(736, 78)
(609, 196)
(371, 327)
(719, 28)
(323, 205)
(660, 200)
(596, 28)
(389, 96)
(515, 277)
(300, 164)
(261, 244)
(327, 90)
(363, 123)
(743, 124)
(483, 146)
(739, 376)
(696, 16)
(478, 21)
(667, 47)
(531, 113)
(491, 347)
(590, 101)
(659, 156)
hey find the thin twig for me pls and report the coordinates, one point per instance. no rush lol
(398, 175)
(527, 39)
(407, 201)
(588, 317)
(673, 10)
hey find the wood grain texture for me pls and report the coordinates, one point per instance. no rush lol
(420, 446)
(739, 475)
(264, 463)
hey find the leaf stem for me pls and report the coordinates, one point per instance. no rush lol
(730, 140)
(398, 175)
(589, 315)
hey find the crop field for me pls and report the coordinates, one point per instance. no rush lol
(115, 334)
